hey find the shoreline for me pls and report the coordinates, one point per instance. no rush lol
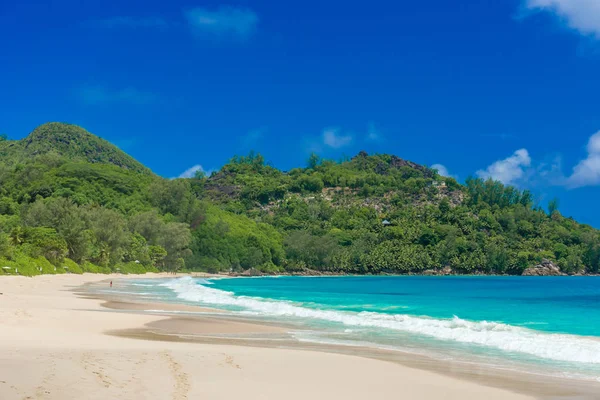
(431, 272)
(171, 329)
(95, 340)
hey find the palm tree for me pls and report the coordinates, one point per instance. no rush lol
(17, 235)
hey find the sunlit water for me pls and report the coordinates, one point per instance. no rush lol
(542, 325)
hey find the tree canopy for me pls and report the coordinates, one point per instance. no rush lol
(70, 201)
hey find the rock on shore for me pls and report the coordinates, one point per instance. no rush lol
(545, 268)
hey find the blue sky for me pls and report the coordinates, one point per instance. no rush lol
(507, 88)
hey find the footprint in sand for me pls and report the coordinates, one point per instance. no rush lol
(22, 314)
(230, 361)
(182, 384)
(90, 363)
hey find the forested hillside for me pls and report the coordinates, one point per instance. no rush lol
(70, 201)
(68, 141)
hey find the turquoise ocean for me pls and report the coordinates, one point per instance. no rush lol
(542, 325)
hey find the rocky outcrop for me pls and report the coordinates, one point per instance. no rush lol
(444, 271)
(219, 186)
(299, 272)
(249, 272)
(545, 268)
(396, 162)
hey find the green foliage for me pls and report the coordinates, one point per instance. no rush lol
(132, 268)
(330, 217)
(23, 264)
(74, 143)
(305, 249)
(44, 242)
(313, 161)
(228, 241)
(71, 266)
(72, 202)
(553, 206)
(67, 193)
(95, 269)
(159, 243)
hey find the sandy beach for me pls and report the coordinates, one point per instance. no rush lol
(55, 344)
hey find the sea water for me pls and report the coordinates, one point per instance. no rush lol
(545, 325)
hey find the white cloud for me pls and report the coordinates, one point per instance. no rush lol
(191, 172)
(100, 95)
(373, 133)
(441, 169)
(509, 170)
(587, 171)
(131, 22)
(580, 15)
(225, 21)
(334, 139)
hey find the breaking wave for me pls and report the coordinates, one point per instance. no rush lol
(557, 347)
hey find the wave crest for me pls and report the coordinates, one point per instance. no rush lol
(558, 347)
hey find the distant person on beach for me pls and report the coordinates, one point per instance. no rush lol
(110, 283)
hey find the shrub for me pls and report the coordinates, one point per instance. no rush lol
(130, 268)
(6, 263)
(94, 269)
(71, 266)
(46, 266)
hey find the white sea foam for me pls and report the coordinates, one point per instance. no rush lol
(126, 292)
(199, 281)
(142, 284)
(558, 347)
(177, 312)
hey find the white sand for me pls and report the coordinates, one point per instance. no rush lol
(53, 346)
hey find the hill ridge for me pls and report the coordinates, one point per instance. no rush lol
(67, 194)
(71, 141)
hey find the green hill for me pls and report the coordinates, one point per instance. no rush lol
(69, 141)
(331, 216)
(70, 201)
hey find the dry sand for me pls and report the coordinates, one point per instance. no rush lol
(53, 345)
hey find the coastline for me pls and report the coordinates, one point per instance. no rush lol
(90, 346)
(315, 274)
(190, 329)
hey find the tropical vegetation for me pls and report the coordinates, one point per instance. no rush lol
(72, 202)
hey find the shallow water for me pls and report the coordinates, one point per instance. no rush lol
(536, 324)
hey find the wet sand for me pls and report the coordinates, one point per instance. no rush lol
(59, 343)
(217, 327)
